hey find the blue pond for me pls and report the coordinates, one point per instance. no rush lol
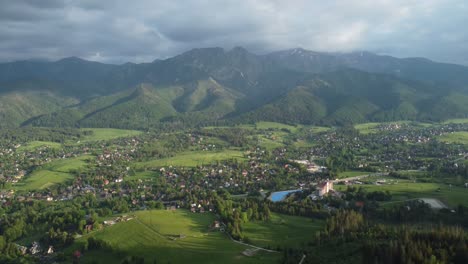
(279, 196)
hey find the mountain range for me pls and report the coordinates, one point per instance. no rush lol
(206, 85)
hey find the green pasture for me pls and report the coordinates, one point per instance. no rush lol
(367, 128)
(58, 171)
(108, 133)
(32, 145)
(402, 190)
(170, 237)
(456, 121)
(283, 231)
(193, 158)
(42, 179)
(460, 137)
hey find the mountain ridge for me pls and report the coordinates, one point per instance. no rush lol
(210, 84)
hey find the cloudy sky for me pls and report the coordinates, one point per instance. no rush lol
(117, 31)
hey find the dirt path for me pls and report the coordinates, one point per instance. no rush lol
(302, 259)
(249, 245)
(432, 202)
(359, 177)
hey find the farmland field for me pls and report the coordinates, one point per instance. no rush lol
(367, 128)
(52, 173)
(274, 125)
(457, 121)
(42, 179)
(283, 231)
(108, 133)
(402, 190)
(36, 144)
(455, 137)
(171, 237)
(193, 158)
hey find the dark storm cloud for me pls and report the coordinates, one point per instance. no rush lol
(142, 30)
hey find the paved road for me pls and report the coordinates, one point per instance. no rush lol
(360, 177)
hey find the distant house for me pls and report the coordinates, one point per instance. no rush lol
(120, 179)
(109, 222)
(50, 250)
(216, 224)
(171, 207)
(35, 248)
(324, 188)
(23, 250)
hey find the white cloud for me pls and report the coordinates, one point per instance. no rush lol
(142, 30)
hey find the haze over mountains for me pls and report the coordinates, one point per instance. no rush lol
(205, 85)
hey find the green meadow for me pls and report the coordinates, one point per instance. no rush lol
(457, 121)
(193, 158)
(108, 133)
(460, 137)
(367, 128)
(58, 171)
(32, 145)
(283, 231)
(402, 190)
(170, 237)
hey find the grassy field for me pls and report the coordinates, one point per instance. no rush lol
(143, 175)
(155, 235)
(37, 144)
(402, 190)
(455, 137)
(193, 158)
(318, 129)
(270, 143)
(274, 125)
(367, 128)
(52, 173)
(108, 133)
(457, 121)
(42, 179)
(283, 231)
(262, 125)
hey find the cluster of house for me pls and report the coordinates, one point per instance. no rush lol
(202, 207)
(123, 218)
(15, 164)
(311, 166)
(34, 249)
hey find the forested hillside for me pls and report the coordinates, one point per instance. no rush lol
(203, 86)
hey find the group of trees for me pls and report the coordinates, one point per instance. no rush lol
(408, 245)
(235, 214)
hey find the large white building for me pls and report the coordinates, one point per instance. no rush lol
(324, 188)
